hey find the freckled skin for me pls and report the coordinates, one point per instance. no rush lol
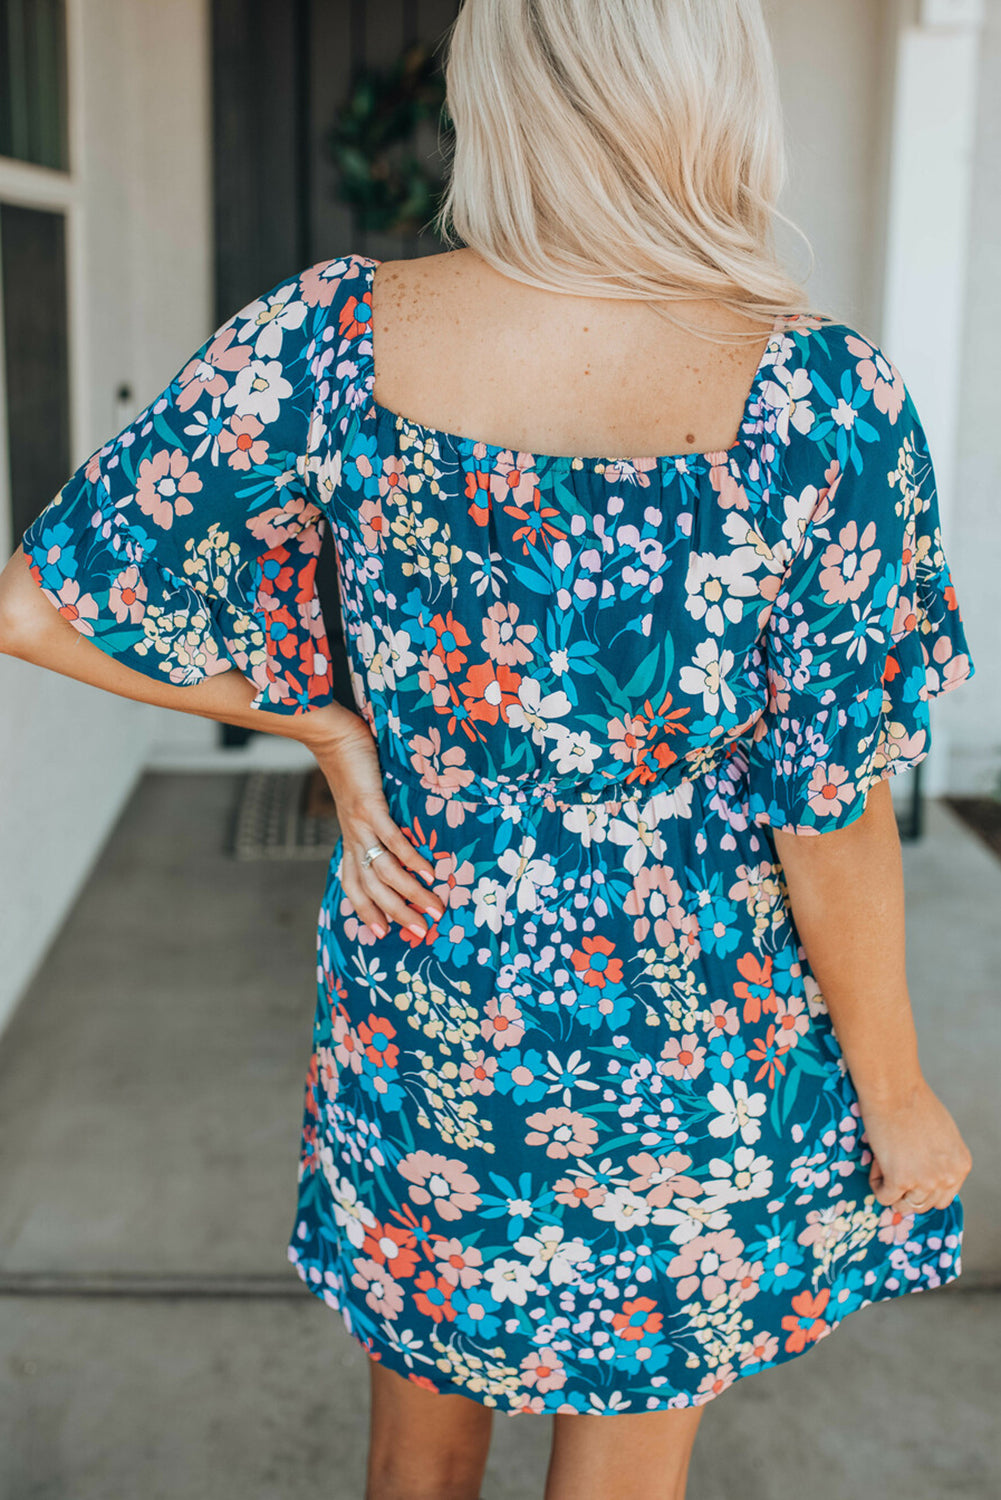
(505, 356)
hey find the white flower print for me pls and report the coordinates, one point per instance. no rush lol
(624, 1208)
(737, 1110)
(258, 391)
(551, 1256)
(716, 586)
(638, 834)
(510, 1281)
(573, 750)
(534, 712)
(489, 902)
(747, 1176)
(789, 394)
(527, 873)
(708, 677)
(266, 321)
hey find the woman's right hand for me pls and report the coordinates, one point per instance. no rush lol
(920, 1160)
(387, 889)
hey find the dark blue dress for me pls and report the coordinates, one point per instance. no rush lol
(589, 1146)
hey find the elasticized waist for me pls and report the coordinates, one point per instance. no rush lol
(555, 795)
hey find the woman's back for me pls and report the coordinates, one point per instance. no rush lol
(460, 347)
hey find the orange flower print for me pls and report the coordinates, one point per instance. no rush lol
(808, 1324)
(163, 485)
(636, 1318)
(451, 639)
(769, 1054)
(432, 1296)
(594, 963)
(756, 987)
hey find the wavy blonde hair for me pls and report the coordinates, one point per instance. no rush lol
(620, 148)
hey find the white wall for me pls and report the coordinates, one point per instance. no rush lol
(833, 59)
(140, 286)
(974, 712)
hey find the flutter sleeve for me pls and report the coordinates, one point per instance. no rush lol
(187, 545)
(866, 629)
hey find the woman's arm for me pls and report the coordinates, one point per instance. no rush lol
(847, 896)
(31, 629)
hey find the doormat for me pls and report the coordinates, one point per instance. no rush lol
(284, 815)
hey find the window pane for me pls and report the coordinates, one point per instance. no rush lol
(33, 81)
(36, 357)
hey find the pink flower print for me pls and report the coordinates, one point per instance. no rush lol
(441, 1181)
(849, 564)
(76, 607)
(504, 639)
(373, 525)
(127, 596)
(295, 517)
(382, 1293)
(682, 1057)
(878, 375)
(722, 1019)
(513, 479)
(661, 1178)
(163, 485)
(477, 1071)
(710, 1261)
(347, 1046)
(655, 897)
(572, 1192)
(503, 1022)
(445, 773)
(207, 376)
(543, 1371)
(562, 1131)
(456, 1263)
(761, 1350)
(830, 791)
(895, 1228)
(242, 441)
(732, 495)
(714, 1384)
(320, 282)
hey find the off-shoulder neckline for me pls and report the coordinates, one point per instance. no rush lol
(463, 442)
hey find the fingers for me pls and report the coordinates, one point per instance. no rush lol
(918, 1198)
(387, 889)
(364, 907)
(391, 887)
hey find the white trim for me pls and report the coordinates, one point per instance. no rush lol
(927, 248)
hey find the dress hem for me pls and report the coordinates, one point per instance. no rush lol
(384, 1355)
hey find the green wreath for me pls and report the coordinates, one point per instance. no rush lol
(392, 190)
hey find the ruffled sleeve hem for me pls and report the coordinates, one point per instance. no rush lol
(824, 783)
(262, 617)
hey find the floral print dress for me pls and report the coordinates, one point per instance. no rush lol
(589, 1145)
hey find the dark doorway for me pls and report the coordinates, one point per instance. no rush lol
(280, 74)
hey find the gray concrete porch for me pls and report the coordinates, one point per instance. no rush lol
(154, 1341)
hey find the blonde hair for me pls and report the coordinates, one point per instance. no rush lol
(620, 148)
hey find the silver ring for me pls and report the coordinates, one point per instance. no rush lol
(371, 854)
(918, 1208)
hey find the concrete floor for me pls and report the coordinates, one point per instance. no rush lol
(154, 1342)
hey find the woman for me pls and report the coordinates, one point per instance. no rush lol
(615, 1096)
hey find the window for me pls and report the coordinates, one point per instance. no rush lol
(33, 82)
